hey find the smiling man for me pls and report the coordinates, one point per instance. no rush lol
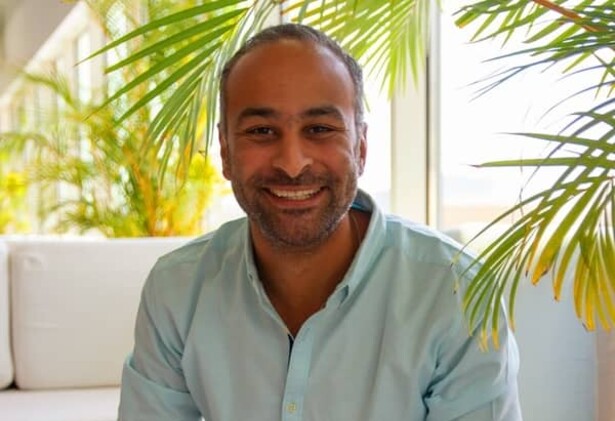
(316, 306)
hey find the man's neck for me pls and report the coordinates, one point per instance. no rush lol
(298, 283)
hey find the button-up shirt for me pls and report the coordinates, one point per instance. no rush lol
(390, 344)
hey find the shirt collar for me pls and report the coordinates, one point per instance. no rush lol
(372, 243)
(367, 254)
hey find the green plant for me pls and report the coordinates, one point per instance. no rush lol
(570, 225)
(93, 171)
(13, 209)
(108, 182)
(567, 225)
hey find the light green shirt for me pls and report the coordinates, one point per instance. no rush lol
(389, 345)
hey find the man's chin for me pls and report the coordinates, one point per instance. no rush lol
(294, 240)
(302, 234)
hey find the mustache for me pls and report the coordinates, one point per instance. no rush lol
(280, 178)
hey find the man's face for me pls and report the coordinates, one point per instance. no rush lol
(291, 147)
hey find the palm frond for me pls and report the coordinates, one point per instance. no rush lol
(115, 187)
(187, 51)
(567, 225)
(571, 38)
(388, 37)
(567, 228)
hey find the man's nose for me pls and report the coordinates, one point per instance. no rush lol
(293, 155)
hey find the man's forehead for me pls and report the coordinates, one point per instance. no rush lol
(287, 50)
(289, 78)
(283, 43)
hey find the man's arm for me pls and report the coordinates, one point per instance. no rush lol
(153, 384)
(472, 384)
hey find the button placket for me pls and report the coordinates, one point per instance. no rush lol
(298, 373)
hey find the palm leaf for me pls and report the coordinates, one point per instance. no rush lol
(574, 43)
(388, 37)
(169, 21)
(556, 226)
(185, 61)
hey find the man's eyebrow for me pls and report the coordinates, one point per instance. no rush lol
(256, 112)
(325, 110)
(267, 112)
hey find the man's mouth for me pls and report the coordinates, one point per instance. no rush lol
(295, 194)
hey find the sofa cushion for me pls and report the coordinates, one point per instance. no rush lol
(6, 364)
(99, 404)
(74, 305)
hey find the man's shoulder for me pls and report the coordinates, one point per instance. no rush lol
(420, 241)
(173, 290)
(204, 253)
(416, 243)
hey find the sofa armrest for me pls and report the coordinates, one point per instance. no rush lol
(73, 308)
(6, 359)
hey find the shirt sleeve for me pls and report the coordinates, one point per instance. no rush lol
(153, 385)
(472, 384)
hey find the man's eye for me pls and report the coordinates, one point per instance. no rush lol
(260, 131)
(319, 129)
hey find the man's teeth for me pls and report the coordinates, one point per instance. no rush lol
(295, 194)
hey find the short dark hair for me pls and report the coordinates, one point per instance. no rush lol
(298, 32)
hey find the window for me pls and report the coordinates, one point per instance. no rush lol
(473, 129)
(377, 176)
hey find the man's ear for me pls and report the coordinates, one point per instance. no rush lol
(224, 153)
(362, 152)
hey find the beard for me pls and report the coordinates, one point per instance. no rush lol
(297, 229)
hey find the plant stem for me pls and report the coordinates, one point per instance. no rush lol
(570, 14)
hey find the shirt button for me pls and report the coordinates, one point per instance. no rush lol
(291, 408)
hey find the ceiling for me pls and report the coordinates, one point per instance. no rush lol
(6, 7)
(6, 10)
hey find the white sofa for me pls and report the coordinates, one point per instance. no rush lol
(67, 310)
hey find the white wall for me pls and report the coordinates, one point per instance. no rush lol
(606, 375)
(558, 374)
(28, 24)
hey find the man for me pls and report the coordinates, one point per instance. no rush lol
(316, 306)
